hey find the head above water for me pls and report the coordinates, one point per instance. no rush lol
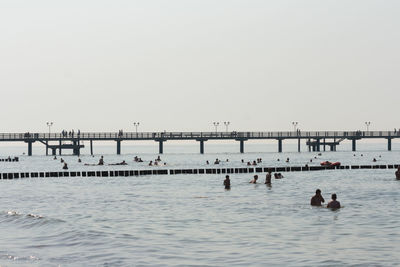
(334, 196)
(255, 177)
(318, 192)
(227, 177)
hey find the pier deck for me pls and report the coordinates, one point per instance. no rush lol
(314, 139)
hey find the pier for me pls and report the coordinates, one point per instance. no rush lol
(315, 140)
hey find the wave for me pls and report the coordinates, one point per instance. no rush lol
(27, 219)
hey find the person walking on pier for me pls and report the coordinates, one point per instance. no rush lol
(227, 183)
(317, 199)
(334, 204)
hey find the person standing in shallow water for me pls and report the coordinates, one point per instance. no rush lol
(334, 204)
(254, 181)
(268, 178)
(317, 199)
(227, 182)
(398, 173)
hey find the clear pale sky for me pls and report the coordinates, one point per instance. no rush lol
(181, 65)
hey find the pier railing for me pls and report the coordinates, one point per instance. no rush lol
(197, 135)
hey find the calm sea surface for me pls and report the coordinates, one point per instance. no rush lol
(190, 220)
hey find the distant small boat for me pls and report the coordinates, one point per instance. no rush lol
(330, 164)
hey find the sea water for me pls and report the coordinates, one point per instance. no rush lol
(191, 220)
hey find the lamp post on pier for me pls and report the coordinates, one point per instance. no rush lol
(136, 124)
(49, 124)
(216, 124)
(294, 123)
(226, 125)
(367, 123)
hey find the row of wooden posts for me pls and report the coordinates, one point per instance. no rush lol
(127, 173)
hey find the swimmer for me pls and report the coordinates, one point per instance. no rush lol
(254, 181)
(227, 182)
(278, 160)
(55, 157)
(61, 160)
(268, 178)
(398, 173)
(216, 161)
(158, 158)
(207, 162)
(317, 200)
(254, 163)
(101, 161)
(242, 161)
(374, 160)
(65, 167)
(79, 160)
(151, 163)
(248, 163)
(334, 204)
(287, 160)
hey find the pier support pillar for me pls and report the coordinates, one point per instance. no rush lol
(76, 149)
(201, 147)
(389, 144)
(59, 151)
(241, 146)
(298, 145)
(47, 148)
(118, 147)
(324, 144)
(160, 147)
(279, 145)
(91, 147)
(201, 140)
(318, 145)
(30, 148)
(353, 144)
(309, 145)
(53, 151)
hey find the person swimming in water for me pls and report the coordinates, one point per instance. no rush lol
(65, 167)
(101, 161)
(317, 199)
(334, 204)
(254, 181)
(227, 183)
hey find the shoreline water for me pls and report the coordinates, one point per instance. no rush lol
(176, 220)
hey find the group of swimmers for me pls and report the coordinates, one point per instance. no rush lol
(156, 162)
(317, 200)
(268, 178)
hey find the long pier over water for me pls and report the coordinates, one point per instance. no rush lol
(315, 140)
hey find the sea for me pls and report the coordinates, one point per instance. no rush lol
(190, 219)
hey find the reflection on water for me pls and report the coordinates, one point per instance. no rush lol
(183, 220)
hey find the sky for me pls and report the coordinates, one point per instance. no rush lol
(180, 65)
